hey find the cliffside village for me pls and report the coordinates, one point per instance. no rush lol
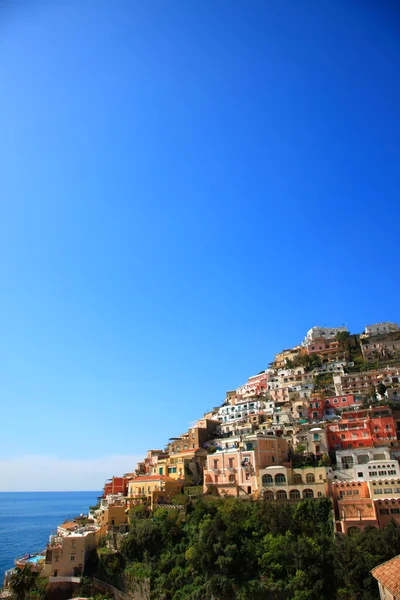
(316, 423)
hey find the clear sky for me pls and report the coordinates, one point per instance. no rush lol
(185, 189)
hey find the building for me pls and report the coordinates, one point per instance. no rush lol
(112, 515)
(255, 385)
(117, 485)
(287, 483)
(322, 408)
(68, 551)
(234, 471)
(282, 358)
(348, 459)
(353, 507)
(186, 465)
(329, 350)
(380, 328)
(387, 576)
(362, 428)
(378, 349)
(359, 383)
(196, 436)
(153, 488)
(328, 333)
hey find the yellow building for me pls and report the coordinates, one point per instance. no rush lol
(186, 465)
(146, 487)
(282, 357)
(112, 517)
(286, 483)
(67, 552)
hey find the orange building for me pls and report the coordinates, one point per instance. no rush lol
(353, 507)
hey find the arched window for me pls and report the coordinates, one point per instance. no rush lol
(280, 479)
(294, 494)
(267, 480)
(178, 448)
(308, 494)
(185, 447)
(268, 495)
(353, 529)
(310, 478)
(281, 495)
(297, 478)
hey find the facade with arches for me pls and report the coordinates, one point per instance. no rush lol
(235, 471)
(353, 507)
(286, 483)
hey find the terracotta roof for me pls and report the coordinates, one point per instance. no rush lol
(69, 525)
(152, 478)
(388, 574)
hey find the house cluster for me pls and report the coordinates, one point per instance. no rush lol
(321, 421)
(314, 424)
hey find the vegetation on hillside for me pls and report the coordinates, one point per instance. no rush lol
(235, 549)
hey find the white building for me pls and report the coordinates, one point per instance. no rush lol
(328, 333)
(381, 328)
(243, 408)
(347, 459)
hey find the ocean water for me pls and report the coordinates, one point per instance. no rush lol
(28, 518)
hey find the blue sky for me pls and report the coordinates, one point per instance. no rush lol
(185, 189)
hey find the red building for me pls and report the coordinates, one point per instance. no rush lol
(320, 408)
(362, 428)
(117, 485)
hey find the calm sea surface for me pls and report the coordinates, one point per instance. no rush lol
(28, 518)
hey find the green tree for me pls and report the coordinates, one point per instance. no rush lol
(381, 389)
(23, 581)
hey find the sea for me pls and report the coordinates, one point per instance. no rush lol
(28, 518)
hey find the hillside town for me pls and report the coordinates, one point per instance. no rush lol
(322, 421)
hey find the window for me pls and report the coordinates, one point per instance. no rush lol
(72, 557)
(294, 494)
(395, 511)
(310, 478)
(267, 480)
(359, 474)
(378, 491)
(356, 492)
(308, 494)
(387, 490)
(343, 399)
(384, 511)
(231, 478)
(391, 472)
(280, 478)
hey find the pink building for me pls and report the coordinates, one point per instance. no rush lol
(235, 471)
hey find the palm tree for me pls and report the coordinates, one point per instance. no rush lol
(22, 581)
